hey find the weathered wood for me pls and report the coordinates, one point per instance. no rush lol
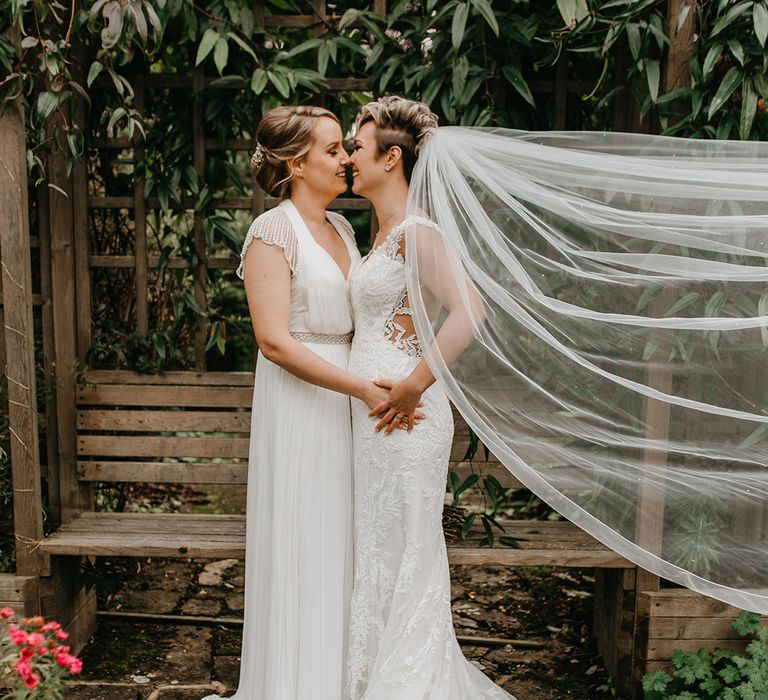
(119, 395)
(561, 90)
(163, 421)
(201, 271)
(19, 593)
(121, 376)
(164, 472)
(49, 357)
(74, 495)
(80, 218)
(18, 329)
(145, 446)
(207, 536)
(140, 219)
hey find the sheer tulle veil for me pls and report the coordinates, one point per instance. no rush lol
(615, 293)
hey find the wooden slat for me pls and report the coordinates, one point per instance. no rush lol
(118, 395)
(214, 536)
(662, 649)
(164, 472)
(683, 603)
(153, 262)
(691, 628)
(164, 421)
(144, 446)
(100, 202)
(121, 376)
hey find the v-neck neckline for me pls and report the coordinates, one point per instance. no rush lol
(328, 255)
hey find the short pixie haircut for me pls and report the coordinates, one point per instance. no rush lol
(399, 122)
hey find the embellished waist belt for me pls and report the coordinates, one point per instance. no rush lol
(324, 338)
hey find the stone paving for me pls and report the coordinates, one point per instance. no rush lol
(147, 661)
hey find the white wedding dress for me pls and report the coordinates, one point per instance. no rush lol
(402, 643)
(299, 514)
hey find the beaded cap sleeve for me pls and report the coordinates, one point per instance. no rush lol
(274, 228)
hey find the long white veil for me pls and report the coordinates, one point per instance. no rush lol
(614, 291)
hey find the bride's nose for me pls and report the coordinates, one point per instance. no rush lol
(344, 159)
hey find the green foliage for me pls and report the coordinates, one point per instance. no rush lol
(717, 675)
(476, 62)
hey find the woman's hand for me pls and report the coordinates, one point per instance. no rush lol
(378, 395)
(399, 408)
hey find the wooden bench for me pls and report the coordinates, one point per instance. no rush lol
(192, 428)
(18, 593)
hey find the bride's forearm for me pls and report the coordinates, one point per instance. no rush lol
(300, 361)
(451, 340)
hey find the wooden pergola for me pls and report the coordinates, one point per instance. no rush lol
(113, 426)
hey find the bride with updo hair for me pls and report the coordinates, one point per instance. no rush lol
(295, 262)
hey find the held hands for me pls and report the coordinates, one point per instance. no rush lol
(399, 408)
(377, 397)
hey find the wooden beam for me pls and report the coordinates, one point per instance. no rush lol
(198, 160)
(18, 329)
(74, 496)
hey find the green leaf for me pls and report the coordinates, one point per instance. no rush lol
(682, 16)
(760, 21)
(682, 302)
(715, 305)
(323, 55)
(117, 115)
(762, 310)
(652, 74)
(280, 83)
(207, 43)
(459, 23)
(485, 9)
(733, 14)
(712, 56)
(730, 82)
(259, 81)
(93, 73)
(513, 74)
(46, 103)
(572, 11)
(748, 109)
(634, 40)
(243, 45)
(221, 54)
(737, 50)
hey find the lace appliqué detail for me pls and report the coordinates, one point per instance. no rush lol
(274, 228)
(396, 334)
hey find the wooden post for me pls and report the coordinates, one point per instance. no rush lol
(198, 157)
(561, 91)
(75, 496)
(80, 217)
(650, 522)
(140, 219)
(18, 329)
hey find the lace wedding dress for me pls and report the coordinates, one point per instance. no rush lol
(299, 515)
(402, 644)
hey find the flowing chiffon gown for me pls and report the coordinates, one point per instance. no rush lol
(299, 512)
(402, 642)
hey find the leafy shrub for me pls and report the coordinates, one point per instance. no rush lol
(719, 674)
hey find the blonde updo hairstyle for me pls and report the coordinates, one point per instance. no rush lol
(284, 135)
(399, 122)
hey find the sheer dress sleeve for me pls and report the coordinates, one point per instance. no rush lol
(273, 228)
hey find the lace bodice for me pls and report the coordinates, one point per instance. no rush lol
(319, 298)
(379, 297)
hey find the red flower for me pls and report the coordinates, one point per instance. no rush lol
(32, 680)
(6, 613)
